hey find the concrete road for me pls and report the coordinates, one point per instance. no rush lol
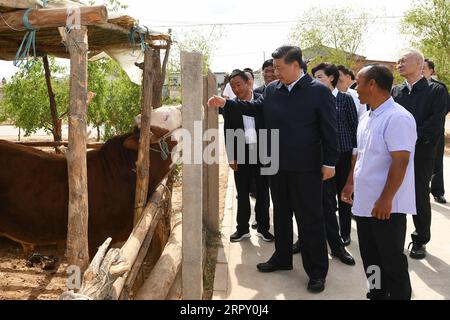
(237, 277)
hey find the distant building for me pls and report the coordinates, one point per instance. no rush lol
(317, 52)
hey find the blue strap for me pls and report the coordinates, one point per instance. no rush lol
(165, 152)
(29, 40)
(132, 39)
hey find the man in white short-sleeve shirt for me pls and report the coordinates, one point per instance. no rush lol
(382, 180)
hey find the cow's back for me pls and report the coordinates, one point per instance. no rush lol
(33, 194)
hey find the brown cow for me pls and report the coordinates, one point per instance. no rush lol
(34, 187)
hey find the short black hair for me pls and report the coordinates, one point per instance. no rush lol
(250, 70)
(239, 73)
(330, 70)
(290, 54)
(430, 64)
(267, 63)
(304, 66)
(381, 74)
(346, 71)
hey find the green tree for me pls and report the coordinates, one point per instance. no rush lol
(428, 24)
(123, 102)
(26, 101)
(204, 42)
(112, 5)
(99, 73)
(334, 35)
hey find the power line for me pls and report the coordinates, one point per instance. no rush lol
(187, 25)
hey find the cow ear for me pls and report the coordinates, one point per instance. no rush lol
(132, 142)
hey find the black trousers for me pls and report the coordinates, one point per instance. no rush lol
(422, 221)
(332, 190)
(244, 177)
(343, 168)
(437, 182)
(300, 193)
(329, 213)
(382, 245)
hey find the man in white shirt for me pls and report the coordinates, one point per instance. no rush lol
(382, 180)
(241, 139)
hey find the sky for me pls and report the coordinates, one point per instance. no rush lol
(247, 45)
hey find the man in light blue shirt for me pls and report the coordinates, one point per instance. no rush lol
(382, 180)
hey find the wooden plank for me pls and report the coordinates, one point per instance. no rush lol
(143, 163)
(192, 271)
(52, 18)
(77, 234)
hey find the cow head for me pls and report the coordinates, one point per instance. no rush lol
(164, 120)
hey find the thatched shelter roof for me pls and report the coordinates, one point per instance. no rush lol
(114, 34)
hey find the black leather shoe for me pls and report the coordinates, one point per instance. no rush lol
(418, 251)
(239, 236)
(271, 267)
(316, 286)
(266, 236)
(296, 248)
(346, 241)
(345, 256)
(440, 199)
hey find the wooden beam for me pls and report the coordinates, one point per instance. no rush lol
(77, 232)
(130, 250)
(52, 18)
(14, 4)
(143, 163)
(52, 144)
(192, 270)
(162, 277)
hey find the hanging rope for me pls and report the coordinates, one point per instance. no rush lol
(163, 147)
(132, 39)
(28, 43)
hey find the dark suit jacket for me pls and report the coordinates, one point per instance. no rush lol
(306, 120)
(448, 96)
(260, 90)
(234, 121)
(428, 104)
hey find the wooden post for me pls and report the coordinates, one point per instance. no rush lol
(192, 272)
(53, 18)
(143, 163)
(77, 230)
(57, 123)
(160, 76)
(211, 172)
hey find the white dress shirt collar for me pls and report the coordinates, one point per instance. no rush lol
(292, 85)
(335, 92)
(411, 86)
